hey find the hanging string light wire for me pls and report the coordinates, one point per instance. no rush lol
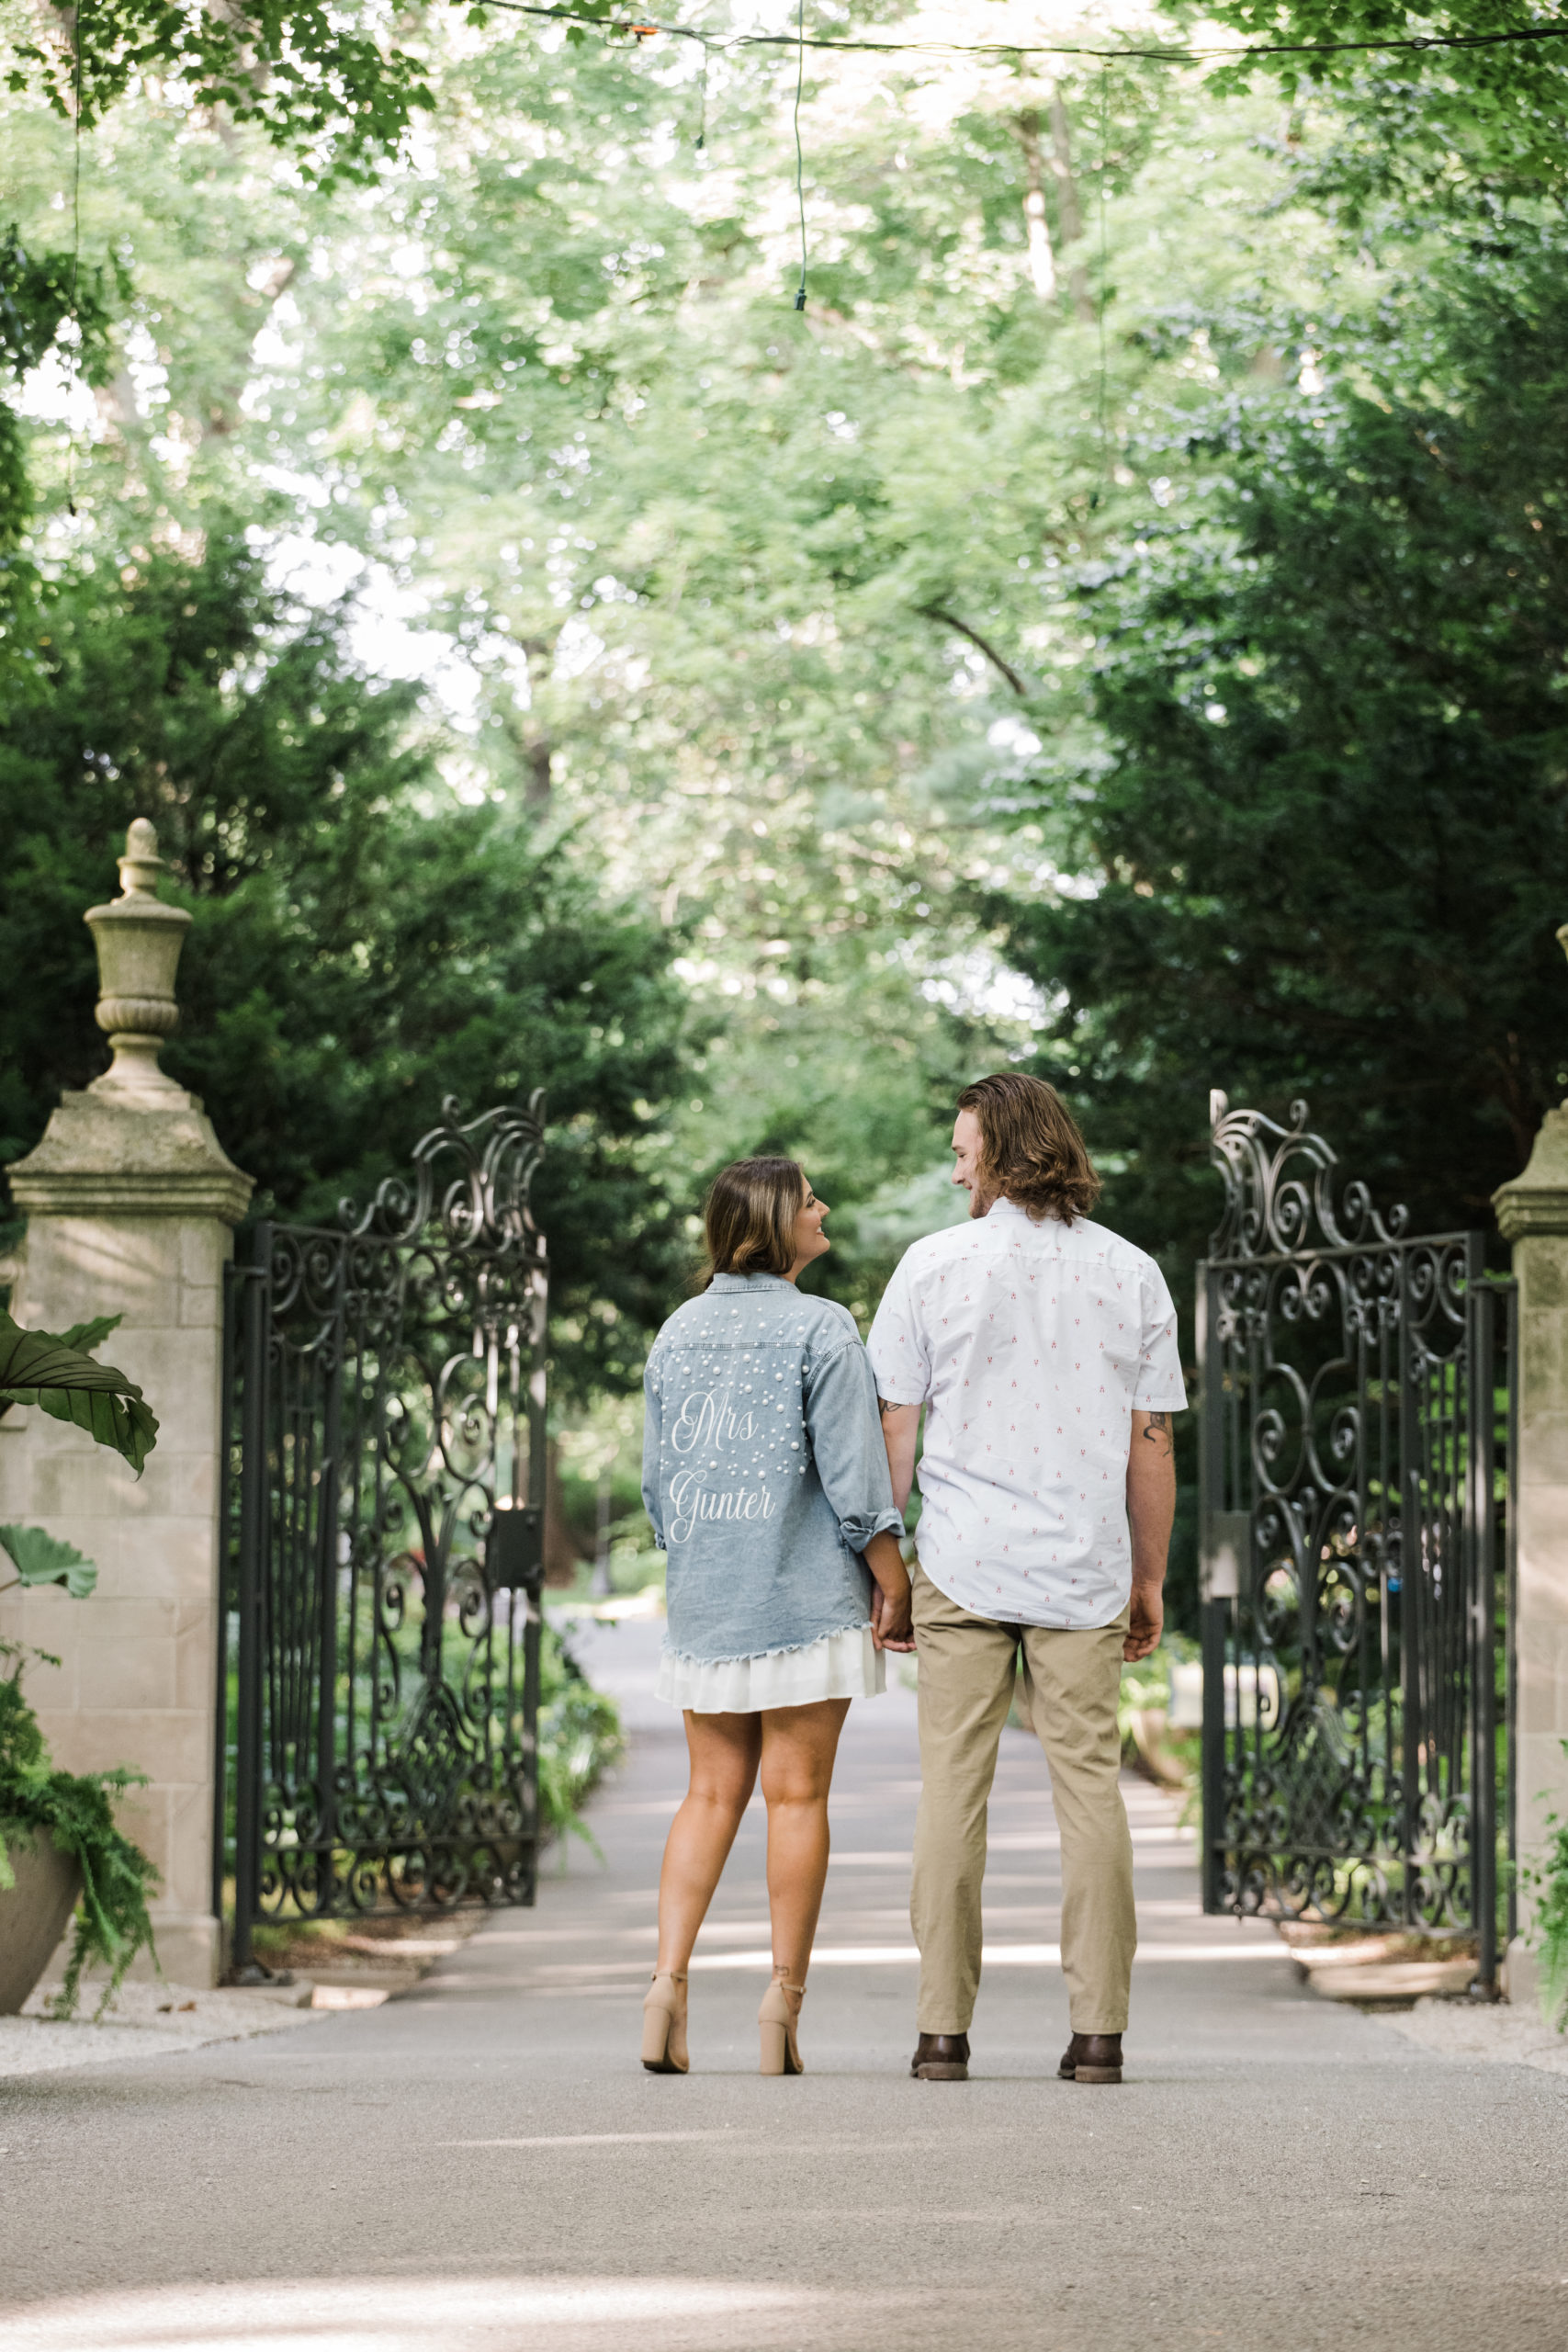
(1169, 55)
(73, 309)
(799, 152)
(1104, 273)
(614, 27)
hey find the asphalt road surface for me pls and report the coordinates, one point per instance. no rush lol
(483, 2167)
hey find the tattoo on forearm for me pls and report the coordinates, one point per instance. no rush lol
(1158, 1431)
(886, 1405)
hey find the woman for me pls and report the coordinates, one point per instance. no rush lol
(766, 1480)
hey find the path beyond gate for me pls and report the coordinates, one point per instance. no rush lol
(385, 1503)
(1356, 1514)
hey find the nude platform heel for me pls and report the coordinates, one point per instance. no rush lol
(776, 2019)
(664, 2024)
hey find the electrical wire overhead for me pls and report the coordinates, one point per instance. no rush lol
(645, 29)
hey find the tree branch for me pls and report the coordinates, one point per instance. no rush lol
(950, 620)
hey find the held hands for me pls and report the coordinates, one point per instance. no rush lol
(1146, 1620)
(890, 1625)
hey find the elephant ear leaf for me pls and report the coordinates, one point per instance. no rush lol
(36, 1369)
(42, 1558)
(86, 1336)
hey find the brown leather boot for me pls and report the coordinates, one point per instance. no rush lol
(940, 2058)
(1092, 2058)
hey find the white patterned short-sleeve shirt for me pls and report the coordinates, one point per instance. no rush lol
(1031, 1345)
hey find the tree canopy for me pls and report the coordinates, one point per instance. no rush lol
(327, 86)
(1333, 824)
(365, 941)
(1114, 626)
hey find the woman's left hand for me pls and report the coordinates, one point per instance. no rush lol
(890, 1625)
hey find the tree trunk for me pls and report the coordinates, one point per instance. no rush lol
(537, 754)
(1042, 265)
(534, 742)
(1070, 210)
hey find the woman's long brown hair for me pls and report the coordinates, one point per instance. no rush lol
(749, 1218)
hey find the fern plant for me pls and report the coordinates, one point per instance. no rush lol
(77, 1810)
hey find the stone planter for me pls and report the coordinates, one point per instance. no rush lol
(33, 1915)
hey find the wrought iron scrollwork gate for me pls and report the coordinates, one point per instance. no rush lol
(1356, 1510)
(385, 1502)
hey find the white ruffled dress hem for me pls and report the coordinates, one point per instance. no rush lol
(841, 1665)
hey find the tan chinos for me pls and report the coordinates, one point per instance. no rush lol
(1069, 1686)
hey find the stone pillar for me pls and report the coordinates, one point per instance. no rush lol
(130, 1206)
(1532, 1212)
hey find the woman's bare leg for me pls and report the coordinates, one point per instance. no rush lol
(723, 1752)
(799, 1745)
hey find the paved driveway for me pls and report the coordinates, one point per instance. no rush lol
(482, 2166)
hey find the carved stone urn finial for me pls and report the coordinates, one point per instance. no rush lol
(139, 941)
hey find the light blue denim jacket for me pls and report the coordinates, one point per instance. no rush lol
(763, 1469)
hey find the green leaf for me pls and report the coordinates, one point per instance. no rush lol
(125, 1423)
(86, 1336)
(42, 1558)
(38, 1370)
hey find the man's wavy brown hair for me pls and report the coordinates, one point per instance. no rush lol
(1030, 1150)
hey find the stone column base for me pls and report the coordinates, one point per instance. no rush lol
(189, 1955)
(1521, 1975)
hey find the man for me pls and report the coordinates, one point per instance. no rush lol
(1043, 1349)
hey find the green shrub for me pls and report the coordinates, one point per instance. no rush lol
(579, 1738)
(77, 1809)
